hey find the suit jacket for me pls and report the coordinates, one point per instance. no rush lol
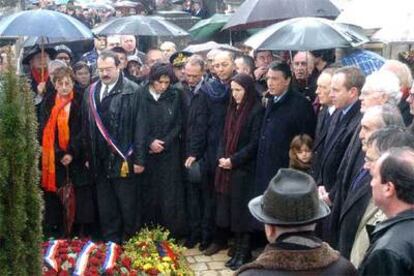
(323, 123)
(336, 145)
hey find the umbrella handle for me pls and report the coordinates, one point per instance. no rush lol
(67, 174)
(42, 70)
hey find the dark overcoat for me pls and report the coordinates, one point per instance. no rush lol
(232, 210)
(336, 145)
(163, 186)
(125, 122)
(353, 209)
(283, 120)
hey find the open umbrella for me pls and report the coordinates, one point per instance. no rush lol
(306, 33)
(210, 45)
(44, 24)
(207, 27)
(140, 25)
(262, 13)
(125, 4)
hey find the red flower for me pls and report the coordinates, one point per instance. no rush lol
(126, 262)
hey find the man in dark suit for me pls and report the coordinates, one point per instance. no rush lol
(359, 191)
(346, 86)
(324, 116)
(288, 114)
(114, 135)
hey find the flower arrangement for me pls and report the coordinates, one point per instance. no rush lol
(150, 252)
(153, 252)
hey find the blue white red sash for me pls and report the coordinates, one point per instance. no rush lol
(101, 127)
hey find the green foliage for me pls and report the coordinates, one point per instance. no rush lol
(20, 200)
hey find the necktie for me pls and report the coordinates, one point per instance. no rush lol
(106, 92)
(358, 179)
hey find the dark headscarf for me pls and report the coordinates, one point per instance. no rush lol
(235, 120)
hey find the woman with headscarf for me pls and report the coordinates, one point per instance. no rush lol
(236, 163)
(164, 190)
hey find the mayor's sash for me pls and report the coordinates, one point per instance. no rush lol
(105, 134)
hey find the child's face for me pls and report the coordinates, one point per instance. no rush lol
(304, 154)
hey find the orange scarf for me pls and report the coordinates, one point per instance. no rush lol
(60, 118)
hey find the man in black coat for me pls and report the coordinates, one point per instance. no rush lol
(392, 241)
(325, 114)
(194, 139)
(356, 200)
(346, 86)
(287, 114)
(115, 139)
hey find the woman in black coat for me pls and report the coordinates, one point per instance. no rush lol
(236, 164)
(60, 125)
(164, 190)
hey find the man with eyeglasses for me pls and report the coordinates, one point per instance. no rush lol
(114, 135)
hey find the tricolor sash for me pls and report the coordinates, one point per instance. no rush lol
(105, 133)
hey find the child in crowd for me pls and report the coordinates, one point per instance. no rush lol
(300, 153)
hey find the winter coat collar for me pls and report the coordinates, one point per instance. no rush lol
(295, 252)
(384, 226)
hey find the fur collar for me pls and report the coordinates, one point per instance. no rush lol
(274, 258)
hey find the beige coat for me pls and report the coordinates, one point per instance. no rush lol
(372, 216)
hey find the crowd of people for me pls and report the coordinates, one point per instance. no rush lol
(186, 141)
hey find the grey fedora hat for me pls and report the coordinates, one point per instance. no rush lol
(291, 199)
(194, 173)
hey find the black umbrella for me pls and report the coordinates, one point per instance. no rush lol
(262, 13)
(44, 24)
(140, 25)
(306, 33)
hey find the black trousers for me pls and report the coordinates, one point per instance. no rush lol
(200, 208)
(119, 207)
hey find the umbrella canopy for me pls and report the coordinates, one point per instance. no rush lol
(140, 25)
(44, 23)
(125, 4)
(207, 27)
(210, 45)
(262, 13)
(399, 31)
(374, 14)
(307, 33)
(365, 60)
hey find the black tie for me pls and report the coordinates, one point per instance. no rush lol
(106, 92)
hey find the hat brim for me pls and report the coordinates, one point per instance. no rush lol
(49, 51)
(255, 207)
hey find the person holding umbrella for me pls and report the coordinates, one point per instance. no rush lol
(38, 74)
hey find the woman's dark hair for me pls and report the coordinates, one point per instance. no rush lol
(160, 69)
(80, 65)
(247, 82)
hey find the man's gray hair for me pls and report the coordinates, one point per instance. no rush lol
(389, 115)
(385, 82)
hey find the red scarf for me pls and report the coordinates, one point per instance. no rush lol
(37, 75)
(235, 120)
(58, 118)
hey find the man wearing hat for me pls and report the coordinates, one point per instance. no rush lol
(178, 60)
(38, 73)
(290, 208)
